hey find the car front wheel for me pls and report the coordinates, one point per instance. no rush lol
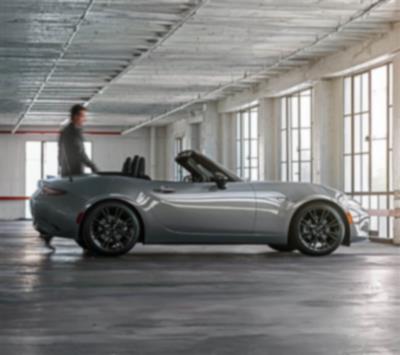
(111, 229)
(318, 229)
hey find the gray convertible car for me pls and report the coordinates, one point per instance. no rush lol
(108, 213)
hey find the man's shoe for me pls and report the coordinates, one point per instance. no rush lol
(47, 241)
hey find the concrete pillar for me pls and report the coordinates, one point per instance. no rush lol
(195, 136)
(327, 132)
(162, 154)
(209, 130)
(226, 144)
(269, 139)
(153, 151)
(396, 146)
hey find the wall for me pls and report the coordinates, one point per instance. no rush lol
(109, 153)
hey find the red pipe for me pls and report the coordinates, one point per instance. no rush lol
(14, 198)
(95, 133)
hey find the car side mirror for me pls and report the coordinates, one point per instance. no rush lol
(220, 180)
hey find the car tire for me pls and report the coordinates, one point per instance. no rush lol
(282, 248)
(81, 243)
(318, 229)
(111, 229)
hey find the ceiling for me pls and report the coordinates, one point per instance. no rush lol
(131, 60)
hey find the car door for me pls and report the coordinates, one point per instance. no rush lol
(271, 219)
(204, 211)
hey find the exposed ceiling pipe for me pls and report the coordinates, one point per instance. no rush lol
(201, 98)
(64, 50)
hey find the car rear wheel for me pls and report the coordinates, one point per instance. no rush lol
(111, 229)
(318, 229)
(80, 241)
(282, 248)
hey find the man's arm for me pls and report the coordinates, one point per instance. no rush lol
(86, 160)
(82, 156)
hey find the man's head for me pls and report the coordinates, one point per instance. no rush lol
(78, 115)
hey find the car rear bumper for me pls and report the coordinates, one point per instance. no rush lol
(55, 216)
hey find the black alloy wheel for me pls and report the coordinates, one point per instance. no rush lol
(318, 229)
(111, 228)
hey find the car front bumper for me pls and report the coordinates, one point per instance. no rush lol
(360, 226)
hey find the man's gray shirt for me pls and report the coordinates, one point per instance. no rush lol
(72, 157)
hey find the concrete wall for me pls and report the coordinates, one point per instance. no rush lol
(109, 153)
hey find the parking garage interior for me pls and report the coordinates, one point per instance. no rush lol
(273, 90)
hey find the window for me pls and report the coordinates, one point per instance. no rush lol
(42, 163)
(368, 113)
(177, 149)
(295, 132)
(247, 161)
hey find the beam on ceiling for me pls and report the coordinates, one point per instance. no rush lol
(201, 98)
(137, 59)
(61, 55)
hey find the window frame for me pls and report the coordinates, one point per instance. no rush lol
(245, 165)
(286, 162)
(369, 194)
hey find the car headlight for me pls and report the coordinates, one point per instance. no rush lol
(349, 202)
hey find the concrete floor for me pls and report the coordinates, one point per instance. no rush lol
(197, 300)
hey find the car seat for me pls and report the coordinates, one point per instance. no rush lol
(142, 169)
(126, 167)
(134, 166)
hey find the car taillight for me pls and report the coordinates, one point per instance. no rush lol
(79, 218)
(49, 191)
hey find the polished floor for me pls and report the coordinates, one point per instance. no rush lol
(197, 300)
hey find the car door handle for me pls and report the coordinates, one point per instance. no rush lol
(164, 190)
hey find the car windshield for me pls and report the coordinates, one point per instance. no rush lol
(201, 168)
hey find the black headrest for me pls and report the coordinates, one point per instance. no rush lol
(135, 166)
(127, 165)
(141, 167)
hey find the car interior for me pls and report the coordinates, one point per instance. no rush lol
(133, 166)
(199, 167)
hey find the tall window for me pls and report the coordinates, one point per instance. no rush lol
(177, 149)
(247, 161)
(368, 106)
(295, 131)
(42, 163)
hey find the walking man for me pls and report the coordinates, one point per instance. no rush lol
(72, 157)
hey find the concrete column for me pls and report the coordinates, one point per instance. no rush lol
(195, 136)
(165, 156)
(269, 140)
(226, 144)
(153, 151)
(209, 130)
(396, 146)
(327, 132)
